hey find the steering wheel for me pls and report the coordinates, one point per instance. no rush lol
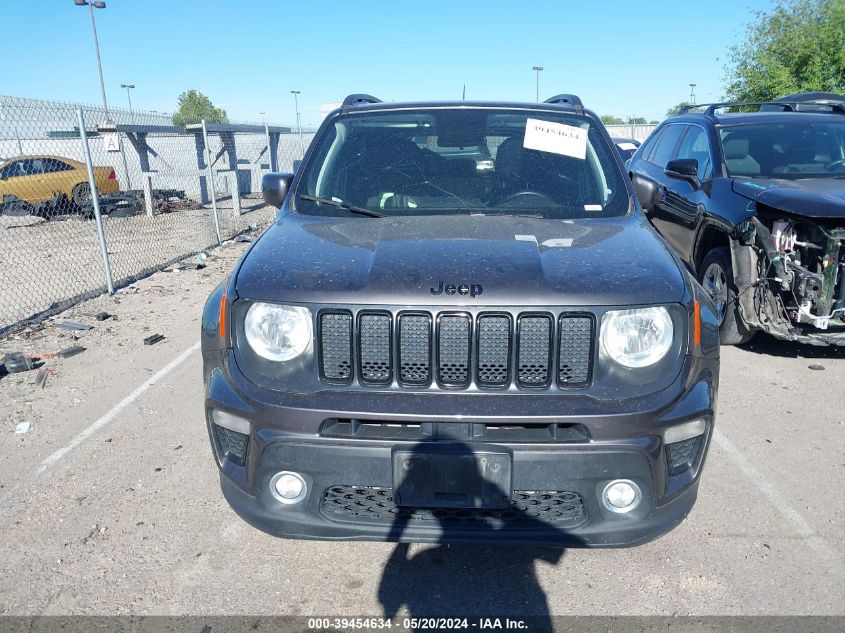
(526, 199)
(836, 165)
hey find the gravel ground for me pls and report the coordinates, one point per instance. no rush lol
(48, 265)
(127, 518)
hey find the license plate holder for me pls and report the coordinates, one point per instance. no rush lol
(449, 479)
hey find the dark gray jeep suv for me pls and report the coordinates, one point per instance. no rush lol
(460, 328)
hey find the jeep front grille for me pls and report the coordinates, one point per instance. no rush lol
(455, 349)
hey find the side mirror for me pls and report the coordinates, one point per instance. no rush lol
(646, 191)
(274, 187)
(684, 169)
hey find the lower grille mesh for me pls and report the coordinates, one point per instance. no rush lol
(528, 508)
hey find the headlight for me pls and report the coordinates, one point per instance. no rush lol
(277, 332)
(636, 338)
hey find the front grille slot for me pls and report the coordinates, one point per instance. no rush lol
(453, 349)
(336, 346)
(534, 345)
(494, 350)
(415, 349)
(575, 350)
(374, 348)
(528, 509)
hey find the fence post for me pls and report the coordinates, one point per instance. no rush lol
(95, 201)
(270, 156)
(210, 176)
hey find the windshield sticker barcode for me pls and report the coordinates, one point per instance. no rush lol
(557, 138)
(592, 207)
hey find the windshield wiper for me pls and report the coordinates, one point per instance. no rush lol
(340, 204)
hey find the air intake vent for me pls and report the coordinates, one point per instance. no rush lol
(428, 349)
(453, 349)
(494, 350)
(374, 342)
(336, 346)
(575, 350)
(415, 349)
(534, 345)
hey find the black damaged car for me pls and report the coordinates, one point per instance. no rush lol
(752, 198)
(460, 328)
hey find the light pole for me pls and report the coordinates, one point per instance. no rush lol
(295, 94)
(692, 94)
(91, 6)
(129, 96)
(537, 69)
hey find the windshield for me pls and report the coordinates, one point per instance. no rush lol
(794, 149)
(464, 161)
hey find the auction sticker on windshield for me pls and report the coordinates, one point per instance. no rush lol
(556, 138)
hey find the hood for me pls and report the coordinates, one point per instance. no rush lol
(419, 261)
(810, 197)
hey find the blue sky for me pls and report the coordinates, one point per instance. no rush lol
(622, 58)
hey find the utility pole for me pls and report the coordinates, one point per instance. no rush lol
(295, 94)
(537, 69)
(129, 96)
(692, 94)
(91, 6)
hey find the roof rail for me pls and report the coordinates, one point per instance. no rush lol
(785, 105)
(564, 99)
(358, 99)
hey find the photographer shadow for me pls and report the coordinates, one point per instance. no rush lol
(471, 570)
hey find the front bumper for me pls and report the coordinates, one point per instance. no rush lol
(625, 443)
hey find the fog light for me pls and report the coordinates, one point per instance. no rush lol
(621, 496)
(288, 487)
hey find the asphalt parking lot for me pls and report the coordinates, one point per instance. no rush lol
(110, 503)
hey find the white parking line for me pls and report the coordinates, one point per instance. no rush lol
(112, 413)
(778, 500)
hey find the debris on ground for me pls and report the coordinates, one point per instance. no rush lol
(243, 238)
(16, 362)
(73, 326)
(22, 427)
(71, 351)
(41, 377)
(128, 203)
(817, 367)
(102, 316)
(197, 262)
(153, 339)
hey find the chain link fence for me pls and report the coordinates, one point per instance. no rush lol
(637, 131)
(163, 193)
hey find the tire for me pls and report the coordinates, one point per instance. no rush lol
(716, 276)
(81, 194)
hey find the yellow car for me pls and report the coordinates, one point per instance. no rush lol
(37, 178)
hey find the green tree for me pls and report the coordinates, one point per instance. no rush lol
(674, 109)
(194, 106)
(637, 120)
(798, 46)
(609, 119)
